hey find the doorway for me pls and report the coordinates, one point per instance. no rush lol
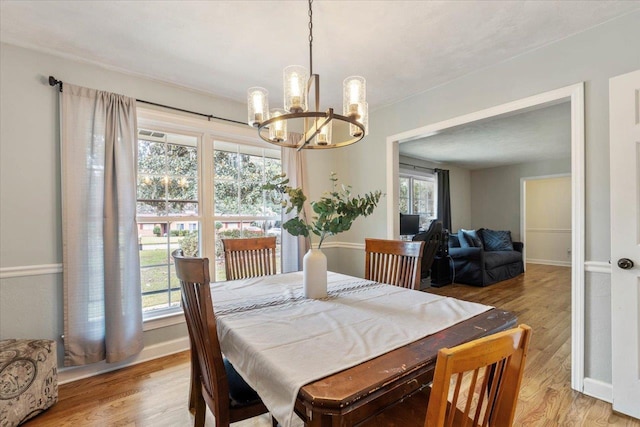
(545, 219)
(573, 94)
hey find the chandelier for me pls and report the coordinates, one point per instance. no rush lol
(319, 129)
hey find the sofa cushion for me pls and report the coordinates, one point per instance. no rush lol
(469, 238)
(497, 240)
(498, 258)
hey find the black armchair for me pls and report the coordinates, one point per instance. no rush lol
(432, 238)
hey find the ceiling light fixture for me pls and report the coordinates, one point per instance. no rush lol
(317, 127)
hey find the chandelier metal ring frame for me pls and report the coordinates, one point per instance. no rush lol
(308, 137)
(317, 125)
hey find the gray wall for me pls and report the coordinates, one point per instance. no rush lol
(495, 193)
(30, 207)
(592, 56)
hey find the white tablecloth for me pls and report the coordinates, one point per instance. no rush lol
(279, 341)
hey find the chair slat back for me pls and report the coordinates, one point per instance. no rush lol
(487, 374)
(249, 257)
(193, 274)
(394, 262)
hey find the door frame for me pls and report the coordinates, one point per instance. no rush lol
(575, 95)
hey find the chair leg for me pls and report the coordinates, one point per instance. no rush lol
(194, 386)
(200, 409)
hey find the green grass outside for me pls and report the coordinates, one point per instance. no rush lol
(153, 240)
(156, 278)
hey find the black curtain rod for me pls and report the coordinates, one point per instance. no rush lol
(415, 166)
(55, 82)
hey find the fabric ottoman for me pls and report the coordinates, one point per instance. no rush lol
(28, 379)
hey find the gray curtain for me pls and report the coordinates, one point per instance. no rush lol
(101, 265)
(293, 248)
(444, 198)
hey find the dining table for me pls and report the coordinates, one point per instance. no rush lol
(339, 360)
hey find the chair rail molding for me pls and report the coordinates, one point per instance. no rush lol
(597, 267)
(30, 270)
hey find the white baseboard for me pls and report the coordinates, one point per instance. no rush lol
(549, 262)
(598, 389)
(66, 375)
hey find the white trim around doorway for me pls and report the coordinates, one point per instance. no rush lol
(574, 94)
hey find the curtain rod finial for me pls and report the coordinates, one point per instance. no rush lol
(53, 82)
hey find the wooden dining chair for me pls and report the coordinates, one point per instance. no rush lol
(249, 257)
(214, 381)
(485, 374)
(394, 262)
(491, 368)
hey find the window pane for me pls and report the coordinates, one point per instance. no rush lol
(183, 189)
(151, 157)
(251, 168)
(167, 177)
(225, 165)
(182, 160)
(160, 286)
(404, 187)
(251, 199)
(272, 167)
(226, 198)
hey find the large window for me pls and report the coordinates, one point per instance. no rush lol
(417, 195)
(194, 190)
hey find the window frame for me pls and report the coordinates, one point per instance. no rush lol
(207, 133)
(422, 176)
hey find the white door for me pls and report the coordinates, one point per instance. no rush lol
(624, 128)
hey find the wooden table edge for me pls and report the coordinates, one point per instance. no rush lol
(310, 400)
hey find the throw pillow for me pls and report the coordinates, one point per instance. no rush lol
(454, 242)
(469, 238)
(497, 240)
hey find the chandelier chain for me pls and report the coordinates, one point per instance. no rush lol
(310, 37)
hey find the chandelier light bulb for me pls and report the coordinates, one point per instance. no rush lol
(258, 103)
(354, 95)
(278, 129)
(295, 85)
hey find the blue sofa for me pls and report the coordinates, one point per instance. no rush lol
(477, 262)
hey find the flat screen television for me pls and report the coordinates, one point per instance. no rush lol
(409, 224)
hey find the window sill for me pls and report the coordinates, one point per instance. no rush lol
(162, 321)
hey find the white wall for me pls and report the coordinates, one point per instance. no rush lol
(548, 220)
(592, 56)
(495, 193)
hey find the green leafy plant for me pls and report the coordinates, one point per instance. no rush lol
(334, 212)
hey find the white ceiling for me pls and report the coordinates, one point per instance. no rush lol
(224, 47)
(542, 134)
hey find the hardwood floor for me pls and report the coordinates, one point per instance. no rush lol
(155, 393)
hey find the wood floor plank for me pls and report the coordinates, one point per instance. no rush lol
(154, 394)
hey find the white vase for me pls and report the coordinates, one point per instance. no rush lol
(314, 266)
